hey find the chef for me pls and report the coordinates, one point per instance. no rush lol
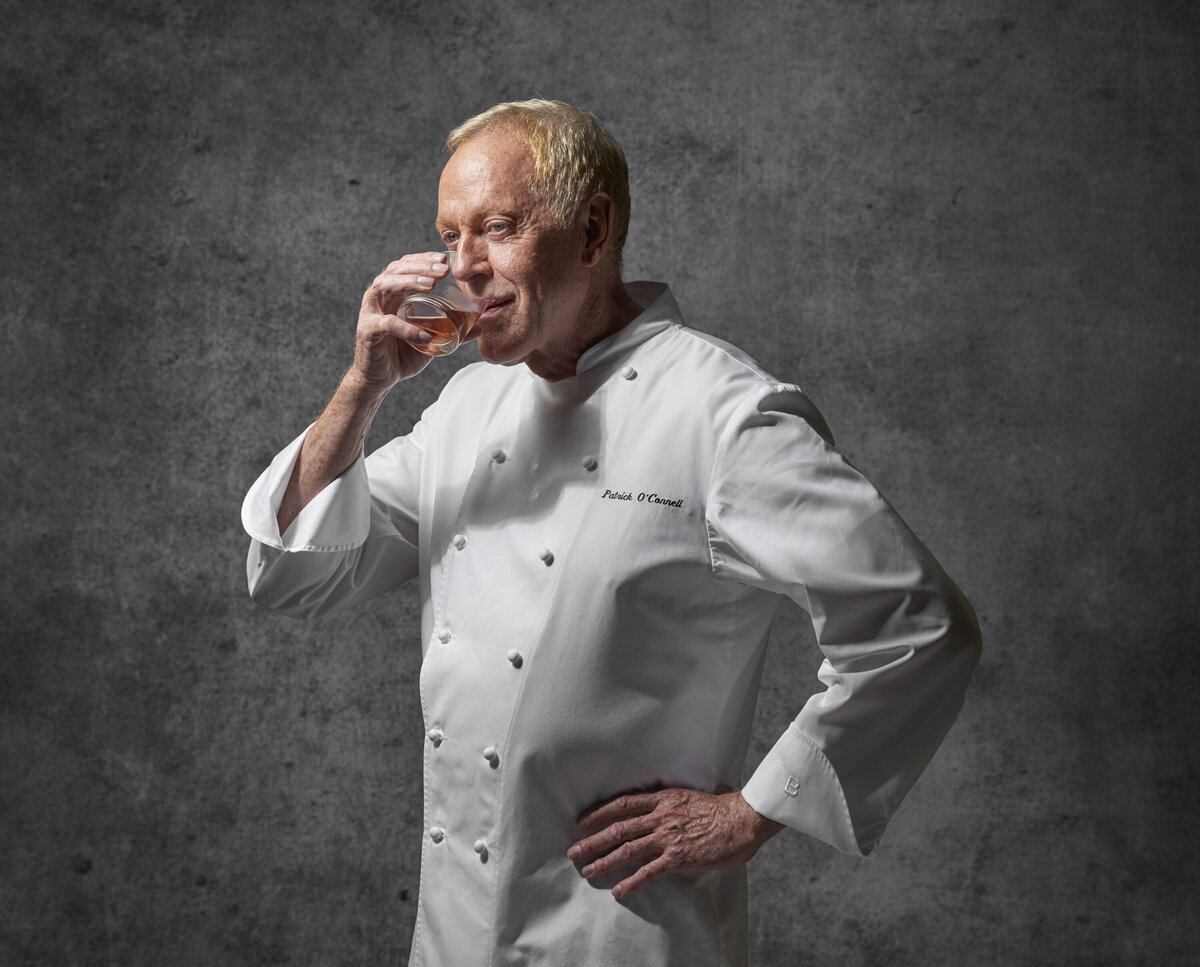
(603, 517)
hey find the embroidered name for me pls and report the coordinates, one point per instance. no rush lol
(642, 498)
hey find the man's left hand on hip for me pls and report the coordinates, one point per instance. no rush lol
(669, 831)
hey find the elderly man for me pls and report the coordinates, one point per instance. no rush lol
(603, 517)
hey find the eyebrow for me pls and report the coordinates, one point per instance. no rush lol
(440, 224)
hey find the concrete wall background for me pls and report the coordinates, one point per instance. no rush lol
(969, 229)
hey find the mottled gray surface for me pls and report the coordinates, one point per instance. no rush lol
(969, 229)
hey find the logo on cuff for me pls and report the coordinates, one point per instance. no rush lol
(792, 788)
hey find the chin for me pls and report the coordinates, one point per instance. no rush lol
(497, 352)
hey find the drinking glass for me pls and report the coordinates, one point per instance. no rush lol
(446, 312)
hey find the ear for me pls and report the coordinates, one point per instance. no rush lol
(597, 214)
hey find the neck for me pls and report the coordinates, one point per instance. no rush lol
(604, 312)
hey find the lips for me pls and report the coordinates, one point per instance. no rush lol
(489, 307)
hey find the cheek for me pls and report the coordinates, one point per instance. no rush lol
(506, 264)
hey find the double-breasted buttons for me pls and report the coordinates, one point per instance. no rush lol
(629, 372)
(547, 556)
(444, 636)
(437, 834)
(590, 463)
(492, 756)
(480, 846)
(514, 656)
(435, 735)
(459, 541)
(499, 455)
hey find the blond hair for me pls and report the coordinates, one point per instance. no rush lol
(573, 157)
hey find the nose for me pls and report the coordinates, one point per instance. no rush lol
(465, 262)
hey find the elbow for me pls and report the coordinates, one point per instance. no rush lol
(957, 627)
(976, 641)
(270, 588)
(961, 639)
(258, 564)
(966, 629)
(952, 642)
(302, 605)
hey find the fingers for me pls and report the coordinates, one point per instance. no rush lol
(427, 267)
(615, 837)
(375, 323)
(628, 852)
(390, 325)
(427, 258)
(643, 875)
(387, 347)
(635, 834)
(629, 804)
(402, 278)
(669, 831)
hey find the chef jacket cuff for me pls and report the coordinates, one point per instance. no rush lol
(336, 519)
(796, 785)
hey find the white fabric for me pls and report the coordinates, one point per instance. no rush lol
(628, 531)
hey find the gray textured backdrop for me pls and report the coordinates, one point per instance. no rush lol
(969, 229)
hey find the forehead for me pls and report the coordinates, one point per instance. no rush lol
(490, 171)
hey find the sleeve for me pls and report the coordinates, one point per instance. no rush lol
(356, 539)
(787, 513)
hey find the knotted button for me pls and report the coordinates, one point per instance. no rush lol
(437, 834)
(514, 656)
(459, 541)
(444, 635)
(435, 735)
(629, 372)
(546, 556)
(480, 846)
(498, 455)
(491, 754)
(589, 463)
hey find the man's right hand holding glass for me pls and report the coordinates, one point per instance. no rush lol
(384, 354)
(383, 351)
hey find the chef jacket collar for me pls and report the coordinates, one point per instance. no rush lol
(659, 311)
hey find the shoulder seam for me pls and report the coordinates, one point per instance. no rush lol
(714, 342)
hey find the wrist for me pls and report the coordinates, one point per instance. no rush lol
(761, 827)
(358, 390)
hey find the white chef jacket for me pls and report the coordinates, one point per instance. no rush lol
(600, 559)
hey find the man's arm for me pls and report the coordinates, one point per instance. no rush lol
(322, 539)
(332, 445)
(789, 515)
(383, 356)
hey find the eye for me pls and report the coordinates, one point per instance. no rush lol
(449, 238)
(497, 227)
